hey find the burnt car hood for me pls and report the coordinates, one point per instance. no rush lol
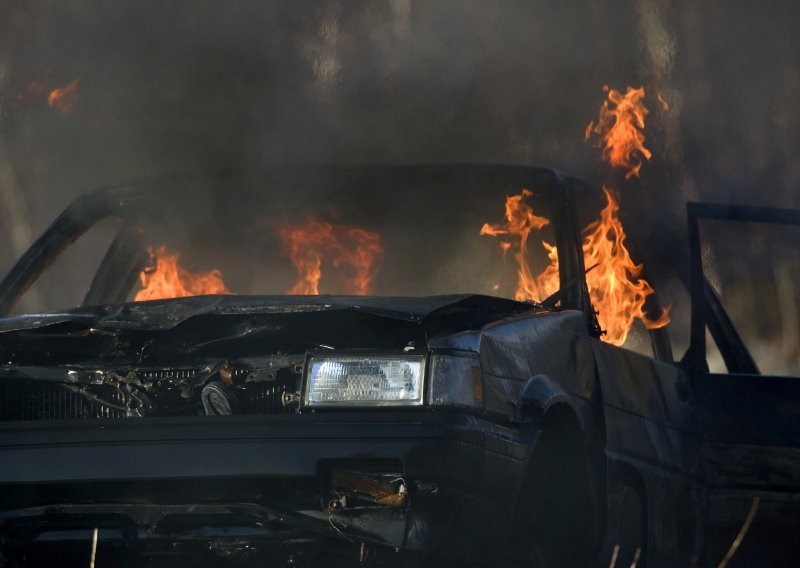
(159, 315)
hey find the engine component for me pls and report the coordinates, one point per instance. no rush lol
(219, 399)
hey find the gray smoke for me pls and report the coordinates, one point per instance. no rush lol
(190, 85)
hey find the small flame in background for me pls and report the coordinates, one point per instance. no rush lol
(316, 242)
(616, 289)
(520, 221)
(619, 129)
(34, 93)
(664, 104)
(64, 98)
(165, 278)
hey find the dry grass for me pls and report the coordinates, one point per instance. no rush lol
(742, 532)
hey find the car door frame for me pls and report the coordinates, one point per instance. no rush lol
(706, 308)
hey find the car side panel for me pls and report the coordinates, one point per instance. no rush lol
(648, 419)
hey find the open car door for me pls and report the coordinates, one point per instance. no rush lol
(746, 384)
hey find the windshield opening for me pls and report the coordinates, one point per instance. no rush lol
(345, 233)
(416, 248)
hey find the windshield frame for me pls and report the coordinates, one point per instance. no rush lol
(139, 201)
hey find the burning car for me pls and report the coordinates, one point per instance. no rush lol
(181, 416)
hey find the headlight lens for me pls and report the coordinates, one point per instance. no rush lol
(364, 380)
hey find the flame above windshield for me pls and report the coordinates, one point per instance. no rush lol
(514, 234)
(616, 288)
(315, 245)
(164, 278)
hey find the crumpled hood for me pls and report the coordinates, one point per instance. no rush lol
(161, 315)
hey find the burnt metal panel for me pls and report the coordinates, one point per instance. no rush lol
(648, 413)
(749, 409)
(514, 350)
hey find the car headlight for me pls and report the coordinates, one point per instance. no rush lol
(364, 380)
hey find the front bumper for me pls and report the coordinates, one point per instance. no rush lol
(462, 474)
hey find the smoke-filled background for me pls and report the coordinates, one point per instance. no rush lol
(181, 86)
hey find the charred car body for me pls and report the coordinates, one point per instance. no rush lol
(316, 430)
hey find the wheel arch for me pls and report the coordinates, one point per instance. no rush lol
(562, 450)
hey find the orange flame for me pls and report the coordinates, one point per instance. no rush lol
(615, 287)
(664, 104)
(64, 98)
(520, 221)
(317, 241)
(165, 278)
(619, 128)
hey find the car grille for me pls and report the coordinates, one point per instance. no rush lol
(267, 398)
(32, 400)
(40, 400)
